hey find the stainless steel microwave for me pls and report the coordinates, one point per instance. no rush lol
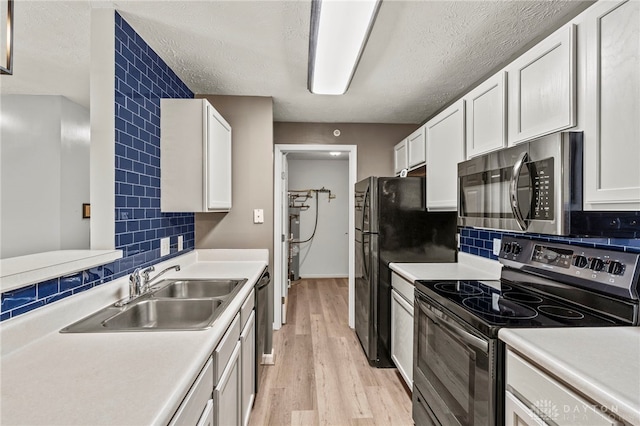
(531, 187)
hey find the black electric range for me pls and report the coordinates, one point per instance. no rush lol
(458, 359)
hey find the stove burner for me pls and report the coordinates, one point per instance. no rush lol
(499, 308)
(560, 312)
(522, 297)
(458, 288)
(505, 287)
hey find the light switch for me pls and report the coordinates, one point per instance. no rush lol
(258, 216)
(180, 243)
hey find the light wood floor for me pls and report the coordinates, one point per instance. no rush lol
(321, 376)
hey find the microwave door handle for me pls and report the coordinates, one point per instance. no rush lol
(457, 331)
(513, 191)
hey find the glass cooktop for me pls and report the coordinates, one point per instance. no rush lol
(489, 305)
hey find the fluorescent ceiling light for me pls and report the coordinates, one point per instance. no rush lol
(339, 32)
(334, 153)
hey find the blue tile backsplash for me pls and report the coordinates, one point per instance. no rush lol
(142, 79)
(480, 241)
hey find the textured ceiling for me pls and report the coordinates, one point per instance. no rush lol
(421, 54)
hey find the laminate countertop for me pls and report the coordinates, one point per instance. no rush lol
(468, 267)
(130, 378)
(603, 364)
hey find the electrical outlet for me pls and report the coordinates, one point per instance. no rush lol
(497, 243)
(180, 243)
(165, 246)
(258, 216)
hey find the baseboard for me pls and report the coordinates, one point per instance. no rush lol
(268, 359)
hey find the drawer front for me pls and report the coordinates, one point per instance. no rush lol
(193, 405)
(223, 351)
(549, 398)
(247, 308)
(402, 286)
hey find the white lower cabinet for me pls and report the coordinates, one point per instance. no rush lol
(402, 327)
(226, 395)
(248, 363)
(194, 405)
(207, 415)
(535, 398)
(224, 391)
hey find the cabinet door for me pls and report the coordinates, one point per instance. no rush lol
(417, 146)
(400, 157)
(445, 149)
(402, 336)
(487, 116)
(518, 414)
(541, 89)
(218, 162)
(612, 133)
(207, 415)
(248, 362)
(226, 395)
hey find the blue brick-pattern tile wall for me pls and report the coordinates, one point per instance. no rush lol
(142, 78)
(480, 241)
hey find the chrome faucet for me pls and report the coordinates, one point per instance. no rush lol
(146, 281)
(140, 282)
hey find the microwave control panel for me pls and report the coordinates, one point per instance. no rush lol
(542, 181)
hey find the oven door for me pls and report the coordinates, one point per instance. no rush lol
(454, 369)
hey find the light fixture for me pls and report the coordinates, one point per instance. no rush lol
(339, 32)
(6, 44)
(335, 153)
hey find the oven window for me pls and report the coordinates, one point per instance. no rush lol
(457, 388)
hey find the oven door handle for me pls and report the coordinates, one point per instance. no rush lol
(513, 191)
(458, 331)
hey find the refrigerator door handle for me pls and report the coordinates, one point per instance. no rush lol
(366, 210)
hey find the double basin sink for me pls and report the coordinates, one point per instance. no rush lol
(175, 304)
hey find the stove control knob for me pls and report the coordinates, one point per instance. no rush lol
(616, 268)
(596, 264)
(516, 249)
(580, 261)
(506, 247)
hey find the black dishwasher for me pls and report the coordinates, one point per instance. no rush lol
(262, 308)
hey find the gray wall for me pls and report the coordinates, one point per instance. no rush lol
(251, 120)
(375, 142)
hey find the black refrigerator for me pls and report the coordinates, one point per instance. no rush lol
(392, 225)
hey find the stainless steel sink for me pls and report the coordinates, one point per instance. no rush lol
(170, 305)
(196, 289)
(187, 314)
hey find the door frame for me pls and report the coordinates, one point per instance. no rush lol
(280, 151)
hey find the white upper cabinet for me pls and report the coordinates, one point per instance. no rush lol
(195, 157)
(400, 157)
(445, 149)
(417, 147)
(541, 88)
(612, 110)
(487, 116)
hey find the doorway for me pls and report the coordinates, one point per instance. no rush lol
(321, 195)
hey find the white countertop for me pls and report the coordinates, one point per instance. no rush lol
(468, 267)
(112, 378)
(601, 363)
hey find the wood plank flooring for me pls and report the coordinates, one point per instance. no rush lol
(320, 375)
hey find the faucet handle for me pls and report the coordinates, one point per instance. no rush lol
(135, 285)
(145, 273)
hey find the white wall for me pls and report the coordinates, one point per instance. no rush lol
(44, 148)
(327, 255)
